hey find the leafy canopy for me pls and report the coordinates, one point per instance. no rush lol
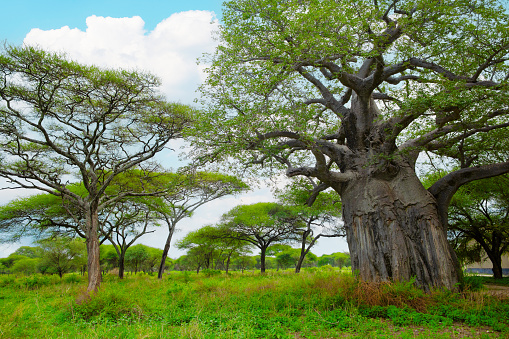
(292, 81)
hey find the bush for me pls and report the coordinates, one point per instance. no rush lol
(36, 281)
(210, 272)
(108, 305)
(72, 278)
(7, 280)
(471, 283)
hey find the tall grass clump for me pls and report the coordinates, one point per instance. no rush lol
(110, 305)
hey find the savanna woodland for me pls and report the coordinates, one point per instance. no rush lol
(389, 118)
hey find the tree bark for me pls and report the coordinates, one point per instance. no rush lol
(444, 189)
(92, 242)
(228, 262)
(394, 231)
(495, 257)
(262, 259)
(166, 249)
(497, 268)
(303, 252)
(121, 264)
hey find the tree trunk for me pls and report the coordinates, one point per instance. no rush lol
(394, 231)
(228, 262)
(121, 264)
(497, 269)
(496, 260)
(166, 249)
(92, 242)
(262, 259)
(303, 251)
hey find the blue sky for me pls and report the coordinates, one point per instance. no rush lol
(20, 16)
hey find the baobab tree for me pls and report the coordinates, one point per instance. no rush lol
(349, 93)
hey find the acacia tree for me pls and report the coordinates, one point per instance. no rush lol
(125, 222)
(59, 119)
(214, 242)
(136, 256)
(61, 254)
(230, 248)
(47, 215)
(201, 247)
(335, 259)
(260, 224)
(319, 213)
(191, 191)
(480, 212)
(349, 93)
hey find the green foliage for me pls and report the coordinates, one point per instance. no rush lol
(348, 93)
(109, 306)
(31, 252)
(62, 255)
(136, 256)
(479, 220)
(260, 224)
(26, 266)
(72, 279)
(308, 51)
(210, 272)
(108, 256)
(60, 118)
(337, 259)
(472, 283)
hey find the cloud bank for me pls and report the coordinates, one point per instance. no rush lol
(170, 51)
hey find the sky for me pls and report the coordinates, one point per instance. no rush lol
(163, 37)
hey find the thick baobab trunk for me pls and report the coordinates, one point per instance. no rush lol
(394, 232)
(92, 242)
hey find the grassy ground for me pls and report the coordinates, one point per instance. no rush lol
(317, 304)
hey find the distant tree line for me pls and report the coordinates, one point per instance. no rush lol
(65, 255)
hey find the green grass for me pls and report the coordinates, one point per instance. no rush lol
(488, 280)
(318, 304)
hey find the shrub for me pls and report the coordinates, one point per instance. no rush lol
(72, 278)
(36, 281)
(7, 280)
(471, 283)
(210, 272)
(108, 305)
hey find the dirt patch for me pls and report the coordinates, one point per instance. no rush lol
(456, 330)
(497, 290)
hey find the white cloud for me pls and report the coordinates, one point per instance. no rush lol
(169, 51)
